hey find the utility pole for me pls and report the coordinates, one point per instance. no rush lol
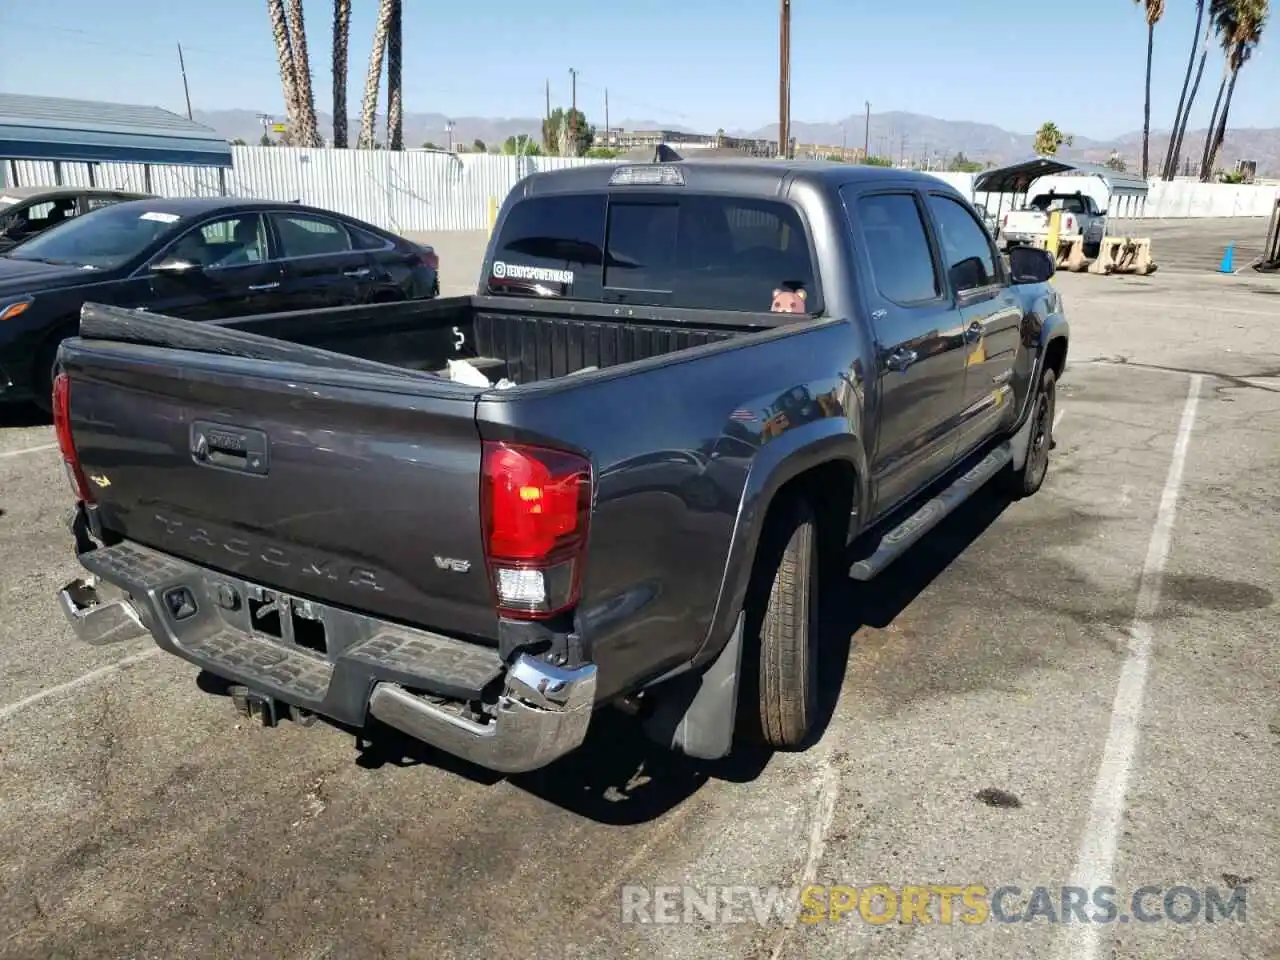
(448, 128)
(902, 151)
(573, 112)
(182, 65)
(608, 137)
(866, 136)
(548, 117)
(784, 79)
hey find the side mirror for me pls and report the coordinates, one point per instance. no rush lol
(172, 268)
(1031, 265)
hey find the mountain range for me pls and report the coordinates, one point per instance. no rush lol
(892, 134)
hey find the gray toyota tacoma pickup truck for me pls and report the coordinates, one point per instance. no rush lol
(693, 389)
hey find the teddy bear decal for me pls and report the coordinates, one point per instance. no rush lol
(788, 301)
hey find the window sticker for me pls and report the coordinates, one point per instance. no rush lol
(516, 271)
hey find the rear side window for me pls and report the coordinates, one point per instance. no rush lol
(689, 250)
(303, 236)
(364, 240)
(897, 244)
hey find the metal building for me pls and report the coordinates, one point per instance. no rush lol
(88, 133)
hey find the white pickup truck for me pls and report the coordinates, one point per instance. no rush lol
(1029, 225)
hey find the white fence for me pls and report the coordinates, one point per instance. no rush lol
(428, 191)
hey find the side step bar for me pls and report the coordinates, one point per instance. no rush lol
(905, 535)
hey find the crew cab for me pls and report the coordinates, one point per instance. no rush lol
(692, 390)
(1080, 217)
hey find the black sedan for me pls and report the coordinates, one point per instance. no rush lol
(196, 258)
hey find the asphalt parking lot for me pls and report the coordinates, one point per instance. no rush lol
(1078, 689)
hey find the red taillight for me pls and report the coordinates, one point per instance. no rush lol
(62, 427)
(430, 259)
(1005, 222)
(1071, 223)
(535, 504)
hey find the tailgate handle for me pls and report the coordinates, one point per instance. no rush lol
(229, 447)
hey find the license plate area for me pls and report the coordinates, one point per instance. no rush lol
(285, 619)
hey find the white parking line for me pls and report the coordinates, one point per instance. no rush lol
(5, 454)
(1096, 860)
(1057, 418)
(90, 677)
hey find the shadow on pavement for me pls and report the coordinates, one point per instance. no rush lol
(618, 776)
(23, 415)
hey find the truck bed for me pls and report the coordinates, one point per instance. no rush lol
(525, 341)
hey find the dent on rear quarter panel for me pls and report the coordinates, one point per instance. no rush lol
(671, 449)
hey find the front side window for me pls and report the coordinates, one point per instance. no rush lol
(225, 242)
(966, 247)
(897, 243)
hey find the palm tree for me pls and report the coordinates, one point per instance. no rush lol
(1174, 157)
(1155, 10)
(284, 54)
(1049, 138)
(1182, 97)
(373, 79)
(395, 88)
(308, 134)
(341, 33)
(1242, 25)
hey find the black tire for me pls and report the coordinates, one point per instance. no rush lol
(1025, 482)
(782, 629)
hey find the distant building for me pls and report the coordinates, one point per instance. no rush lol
(618, 139)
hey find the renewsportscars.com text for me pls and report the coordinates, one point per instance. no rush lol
(941, 904)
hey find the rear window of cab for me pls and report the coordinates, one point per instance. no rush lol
(700, 251)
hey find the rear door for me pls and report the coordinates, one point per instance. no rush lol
(919, 342)
(232, 272)
(991, 316)
(322, 267)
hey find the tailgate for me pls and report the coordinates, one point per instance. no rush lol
(1027, 221)
(359, 489)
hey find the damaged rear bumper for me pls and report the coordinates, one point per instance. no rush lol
(459, 697)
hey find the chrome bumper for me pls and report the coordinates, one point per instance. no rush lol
(543, 713)
(96, 619)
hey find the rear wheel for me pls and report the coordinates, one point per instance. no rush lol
(1025, 482)
(781, 656)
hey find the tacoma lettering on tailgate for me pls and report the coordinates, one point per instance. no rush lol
(276, 557)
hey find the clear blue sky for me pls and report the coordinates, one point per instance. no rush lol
(700, 63)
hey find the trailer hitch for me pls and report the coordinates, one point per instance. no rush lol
(266, 710)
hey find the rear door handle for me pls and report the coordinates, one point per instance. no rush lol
(900, 359)
(264, 286)
(362, 272)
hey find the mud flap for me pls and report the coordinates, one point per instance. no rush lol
(696, 713)
(1020, 442)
